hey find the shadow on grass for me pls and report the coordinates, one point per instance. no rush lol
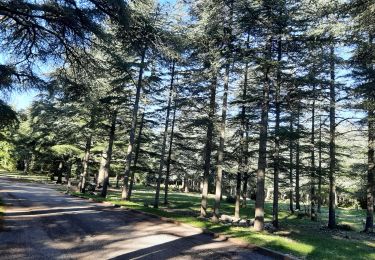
(303, 238)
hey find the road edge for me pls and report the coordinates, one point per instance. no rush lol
(262, 250)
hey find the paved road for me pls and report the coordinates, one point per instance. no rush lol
(41, 223)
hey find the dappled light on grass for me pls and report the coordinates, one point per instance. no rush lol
(298, 236)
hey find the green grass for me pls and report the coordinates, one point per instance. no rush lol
(31, 177)
(299, 237)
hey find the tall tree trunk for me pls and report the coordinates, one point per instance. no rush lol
(246, 173)
(291, 143)
(101, 172)
(332, 148)
(220, 152)
(298, 164)
(320, 173)
(262, 159)
(243, 161)
(85, 163)
(129, 154)
(169, 159)
(136, 156)
(208, 146)
(26, 166)
(275, 205)
(68, 175)
(313, 214)
(60, 172)
(107, 164)
(369, 226)
(164, 142)
(242, 164)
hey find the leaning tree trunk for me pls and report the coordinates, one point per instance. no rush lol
(169, 159)
(107, 164)
(129, 154)
(208, 147)
(369, 226)
(136, 156)
(85, 162)
(164, 142)
(332, 148)
(298, 166)
(262, 159)
(275, 205)
(313, 214)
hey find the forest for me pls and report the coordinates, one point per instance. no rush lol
(262, 110)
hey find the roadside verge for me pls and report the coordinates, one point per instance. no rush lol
(262, 250)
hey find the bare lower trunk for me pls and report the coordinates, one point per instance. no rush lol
(275, 205)
(369, 226)
(332, 148)
(117, 180)
(169, 159)
(101, 173)
(246, 173)
(85, 163)
(26, 166)
(186, 185)
(220, 157)
(164, 142)
(220, 152)
(298, 196)
(60, 172)
(320, 167)
(208, 148)
(68, 175)
(136, 156)
(291, 206)
(107, 164)
(313, 201)
(262, 159)
(129, 153)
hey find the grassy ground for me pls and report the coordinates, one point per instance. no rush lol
(299, 237)
(26, 177)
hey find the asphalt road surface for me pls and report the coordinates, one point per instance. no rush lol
(41, 223)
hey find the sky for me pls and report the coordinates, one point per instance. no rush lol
(21, 100)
